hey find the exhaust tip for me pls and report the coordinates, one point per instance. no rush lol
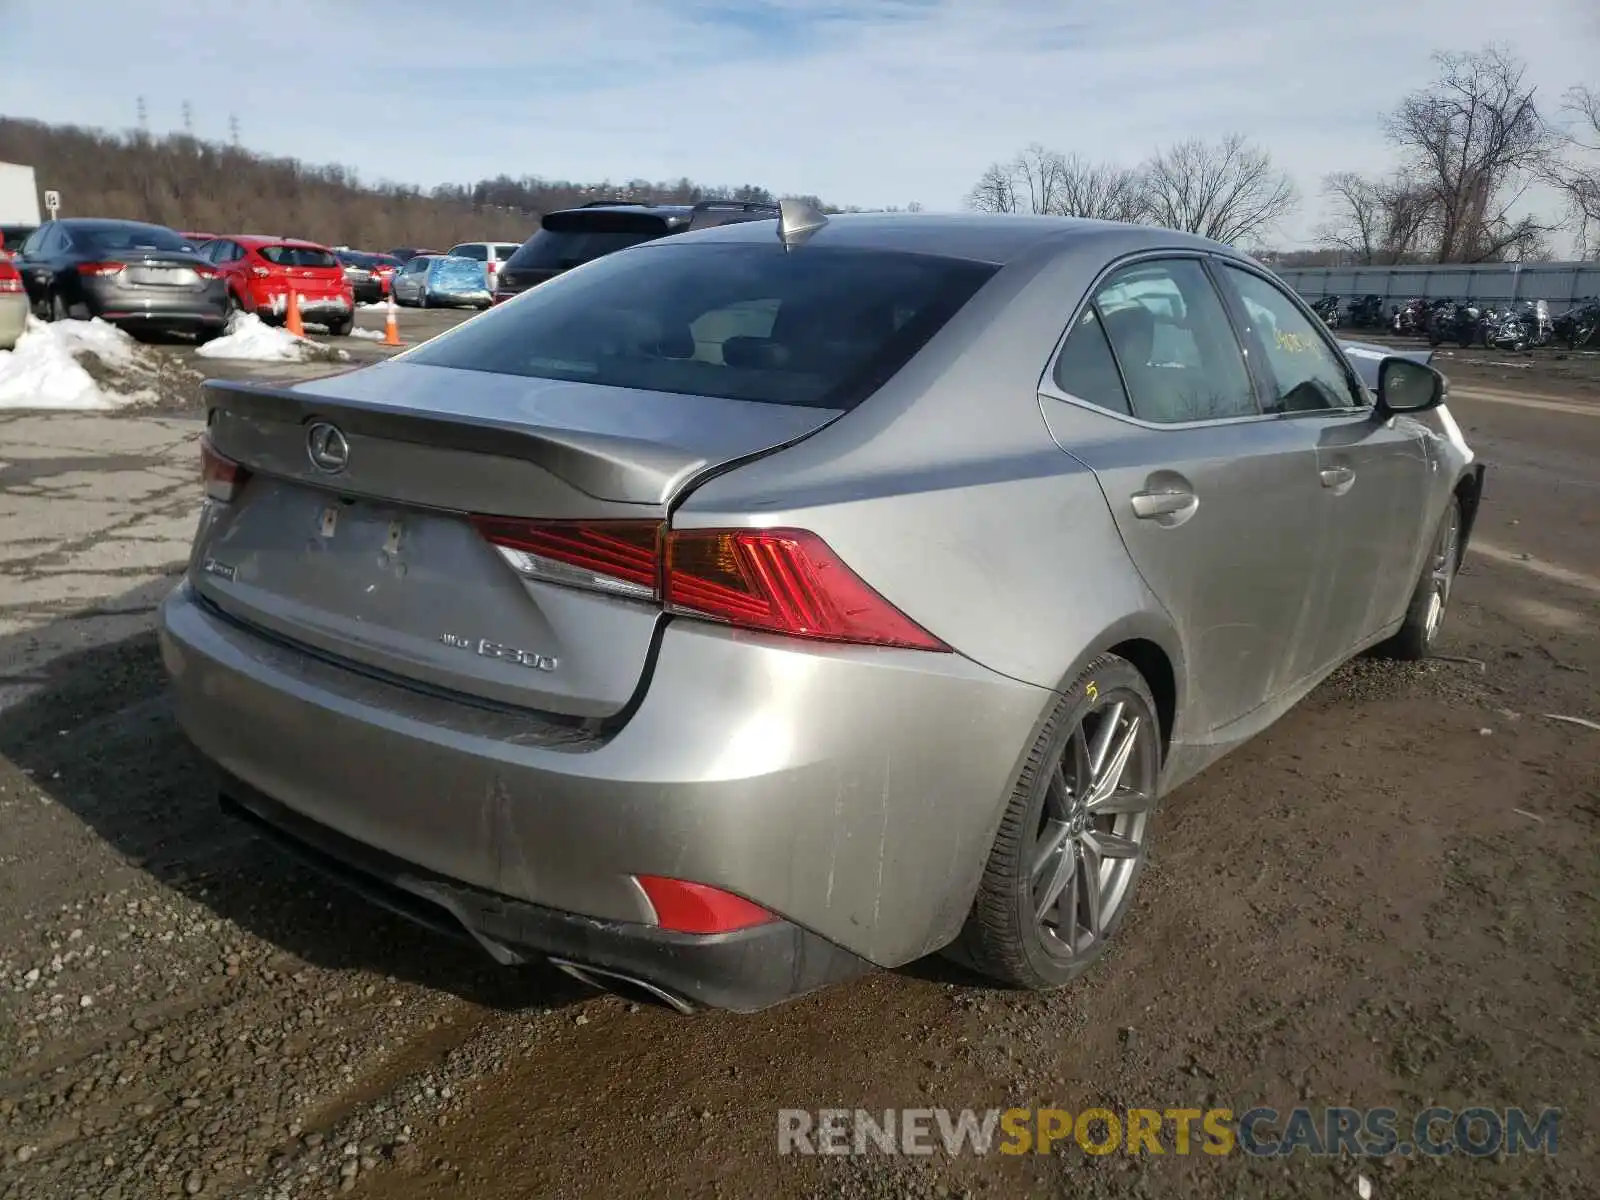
(628, 987)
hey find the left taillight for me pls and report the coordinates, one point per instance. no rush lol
(101, 269)
(783, 581)
(223, 477)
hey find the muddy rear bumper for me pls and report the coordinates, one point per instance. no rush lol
(743, 971)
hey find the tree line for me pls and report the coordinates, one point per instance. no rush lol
(1469, 146)
(190, 184)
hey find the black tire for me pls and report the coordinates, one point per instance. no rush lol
(1419, 634)
(58, 308)
(1005, 938)
(342, 328)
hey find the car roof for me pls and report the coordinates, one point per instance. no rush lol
(108, 223)
(265, 239)
(980, 237)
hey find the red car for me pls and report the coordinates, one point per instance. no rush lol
(261, 272)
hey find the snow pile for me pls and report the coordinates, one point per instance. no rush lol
(248, 337)
(367, 335)
(77, 365)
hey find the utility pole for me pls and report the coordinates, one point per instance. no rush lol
(233, 128)
(144, 115)
(188, 119)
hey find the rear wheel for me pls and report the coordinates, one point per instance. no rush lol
(58, 307)
(1073, 841)
(1425, 615)
(341, 328)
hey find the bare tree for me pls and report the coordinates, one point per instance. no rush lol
(1102, 191)
(1377, 221)
(1473, 140)
(995, 191)
(1226, 192)
(1576, 172)
(1039, 180)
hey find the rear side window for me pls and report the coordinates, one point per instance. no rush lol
(1086, 368)
(503, 251)
(1173, 344)
(820, 327)
(297, 256)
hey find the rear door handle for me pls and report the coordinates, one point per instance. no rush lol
(1334, 477)
(1149, 506)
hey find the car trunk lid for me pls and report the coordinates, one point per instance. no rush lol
(376, 561)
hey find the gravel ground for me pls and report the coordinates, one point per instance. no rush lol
(1392, 897)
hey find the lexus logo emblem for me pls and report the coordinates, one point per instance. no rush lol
(327, 448)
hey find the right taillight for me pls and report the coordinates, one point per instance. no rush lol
(10, 281)
(222, 476)
(785, 581)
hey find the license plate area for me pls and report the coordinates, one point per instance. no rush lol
(161, 276)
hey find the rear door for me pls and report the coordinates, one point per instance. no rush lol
(1373, 476)
(1214, 499)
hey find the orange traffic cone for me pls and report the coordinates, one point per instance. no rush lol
(391, 329)
(291, 316)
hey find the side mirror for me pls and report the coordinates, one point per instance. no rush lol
(1407, 386)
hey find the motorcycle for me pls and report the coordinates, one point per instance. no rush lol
(1463, 325)
(1576, 326)
(1366, 313)
(1524, 328)
(1328, 309)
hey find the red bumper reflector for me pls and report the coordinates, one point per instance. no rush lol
(697, 908)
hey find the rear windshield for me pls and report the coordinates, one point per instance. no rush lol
(106, 238)
(548, 249)
(820, 327)
(297, 256)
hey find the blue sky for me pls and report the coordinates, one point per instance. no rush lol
(871, 102)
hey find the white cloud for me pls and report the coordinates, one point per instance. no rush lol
(882, 101)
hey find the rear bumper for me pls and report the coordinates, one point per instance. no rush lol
(852, 792)
(744, 971)
(13, 318)
(204, 307)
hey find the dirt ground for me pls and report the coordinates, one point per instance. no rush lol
(1392, 898)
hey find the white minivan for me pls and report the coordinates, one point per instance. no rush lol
(490, 254)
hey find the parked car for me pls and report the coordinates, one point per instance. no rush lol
(12, 237)
(262, 271)
(571, 237)
(361, 272)
(442, 281)
(492, 254)
(407, 253)
(806, 596)
(129, 273)
(196, 239)
(13, 304)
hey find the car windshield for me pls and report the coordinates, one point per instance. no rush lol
(547, 248)
(298, 256)
(104, 239)
(821, 328)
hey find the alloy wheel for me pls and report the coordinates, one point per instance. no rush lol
(1446, 550)
(1093, 828)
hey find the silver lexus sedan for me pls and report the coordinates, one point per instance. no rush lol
(742, 611)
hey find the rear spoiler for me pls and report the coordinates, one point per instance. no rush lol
(605, 466)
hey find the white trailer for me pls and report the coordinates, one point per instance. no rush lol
(19, 195)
